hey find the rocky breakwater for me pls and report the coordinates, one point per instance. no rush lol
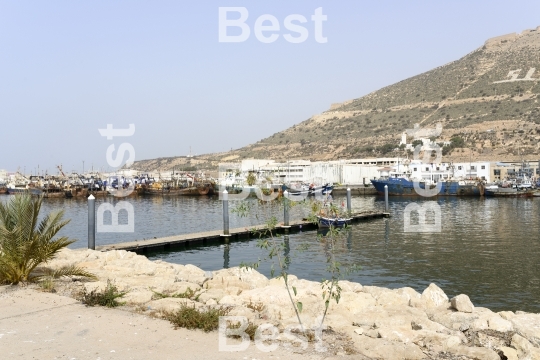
(382, 323)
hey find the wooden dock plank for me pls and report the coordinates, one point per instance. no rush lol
(169, 242)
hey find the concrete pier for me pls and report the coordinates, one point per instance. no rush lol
(179, 242)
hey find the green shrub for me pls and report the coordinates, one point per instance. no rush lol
(108, 297)
(190, 318)
(188, 294)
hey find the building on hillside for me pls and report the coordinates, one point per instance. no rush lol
(503, 170)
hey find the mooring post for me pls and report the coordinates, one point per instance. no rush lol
(386, 199)
(349, 200)
(225, 213)
(92, 222)
(286, 208)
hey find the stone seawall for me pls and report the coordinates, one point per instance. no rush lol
(382, 323)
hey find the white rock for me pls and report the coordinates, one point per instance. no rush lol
(475, 352)
(230, 300)
(215, 294)
(452, 342)
(378, 348)
(506, 315)
(462, 303)
(138, 297)
(528, 326)
(511, 354)
(525, 350)
(497, 323)
(434, 296)
(354, 303)
(211, 302)
(392, 298)
(359, 331)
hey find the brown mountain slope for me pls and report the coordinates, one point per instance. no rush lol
(486, 118)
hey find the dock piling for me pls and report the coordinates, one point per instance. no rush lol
(349, 200)
(92, 222)
(386, 208)
(226, 213)
(286, 208)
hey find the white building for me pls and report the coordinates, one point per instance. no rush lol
(3, 175)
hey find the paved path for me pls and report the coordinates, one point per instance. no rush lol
(38, 325)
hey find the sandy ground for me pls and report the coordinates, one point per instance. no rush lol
(39, 325)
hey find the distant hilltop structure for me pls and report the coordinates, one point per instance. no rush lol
(499, 40)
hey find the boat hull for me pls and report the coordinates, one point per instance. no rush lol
(509, 192)
(404, 187)
(325, 222)
(32, 191)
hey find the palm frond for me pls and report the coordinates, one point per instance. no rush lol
(26, 242)
(64, 271)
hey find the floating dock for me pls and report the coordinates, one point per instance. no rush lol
(179, 242)
(356, 190)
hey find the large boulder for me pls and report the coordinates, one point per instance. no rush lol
(379, 348)
(138, 297)
(462, 303)
(471, 352)
(528, 326)
(241, 277)
(525, 350)
(433, 296)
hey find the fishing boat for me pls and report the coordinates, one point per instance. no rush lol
(52, 191)
(404, 186)
(206, 189)
(509, 192)
(437, 180)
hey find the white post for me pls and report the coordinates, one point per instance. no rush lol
(92, 222)
(286, 208)
(225, 213)
(386, 199)
(349, 200)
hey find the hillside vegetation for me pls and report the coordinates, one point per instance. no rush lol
(483, 118)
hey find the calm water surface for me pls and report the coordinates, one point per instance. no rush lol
(488, 248)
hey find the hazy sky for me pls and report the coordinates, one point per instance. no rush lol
(68, 68)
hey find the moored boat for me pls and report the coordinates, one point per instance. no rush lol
(402, 186)
(326, 222)
(509, 192)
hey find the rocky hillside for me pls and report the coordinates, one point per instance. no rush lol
(487, 103)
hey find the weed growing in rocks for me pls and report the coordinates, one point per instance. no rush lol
(108, 297)
(188, 294)
(190, 318)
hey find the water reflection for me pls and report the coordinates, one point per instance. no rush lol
(488, 249)
(226, 255)
(286, 252)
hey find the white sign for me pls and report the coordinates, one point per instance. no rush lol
(513, 76)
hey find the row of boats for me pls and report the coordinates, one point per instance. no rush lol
(77, 185)
(81, 186)
(400, 184)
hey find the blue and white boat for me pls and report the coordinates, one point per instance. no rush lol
(326, 222)
(428, 184)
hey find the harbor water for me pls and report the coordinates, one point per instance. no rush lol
(488, 248)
